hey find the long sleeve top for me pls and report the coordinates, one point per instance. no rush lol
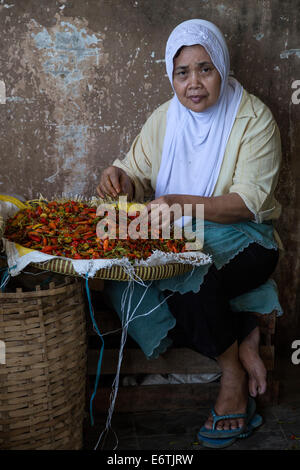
(250, 165)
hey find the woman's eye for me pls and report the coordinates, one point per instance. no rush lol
(206, 70)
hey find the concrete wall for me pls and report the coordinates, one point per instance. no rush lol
(81, 77)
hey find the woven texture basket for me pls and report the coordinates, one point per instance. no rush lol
(147, 273)
(42, 383)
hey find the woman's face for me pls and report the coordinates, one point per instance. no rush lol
(196, 81)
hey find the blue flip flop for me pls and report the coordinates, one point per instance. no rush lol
(255, 422)
(229, 433)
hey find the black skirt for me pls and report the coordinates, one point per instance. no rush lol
(204, 320)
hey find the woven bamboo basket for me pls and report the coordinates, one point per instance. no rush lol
(117, 273)
(42, 379)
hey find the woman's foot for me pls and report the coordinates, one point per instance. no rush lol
(232, 399)
(253, 364)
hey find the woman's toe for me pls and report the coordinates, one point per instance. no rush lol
(252, 387)
(262, 388)
(209, 423)
(257, 384)
(262, 383)
(241, 423)
(227, 425)
(220, 426)
(233, 424)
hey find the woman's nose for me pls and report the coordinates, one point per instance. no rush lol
(195, 80)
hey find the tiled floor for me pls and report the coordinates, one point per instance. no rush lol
(169, 430)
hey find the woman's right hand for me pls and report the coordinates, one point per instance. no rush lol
(113, 181)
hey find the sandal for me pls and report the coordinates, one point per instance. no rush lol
(229, 433)
(255, 422)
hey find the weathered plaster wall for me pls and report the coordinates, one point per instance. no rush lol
(81, 77)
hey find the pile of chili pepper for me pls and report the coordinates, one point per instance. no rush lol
(68, 229)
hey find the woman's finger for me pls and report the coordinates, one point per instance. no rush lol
(160, 218)
(126, 186)
(108, 187)
(155, 218)
(105, 191)
(99, 191)
(114, 182)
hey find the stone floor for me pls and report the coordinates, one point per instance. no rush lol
(170, 430)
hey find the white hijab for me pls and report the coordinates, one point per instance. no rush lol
(195, 143)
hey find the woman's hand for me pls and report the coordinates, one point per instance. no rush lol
(113, 181)
(163, 211)
(226, 209)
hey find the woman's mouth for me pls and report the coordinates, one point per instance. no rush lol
(196, 98)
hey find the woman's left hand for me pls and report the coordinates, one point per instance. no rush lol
(163, 211)
(225, 209)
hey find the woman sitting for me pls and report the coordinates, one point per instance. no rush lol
(214, 144)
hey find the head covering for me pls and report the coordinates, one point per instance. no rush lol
(195, 143)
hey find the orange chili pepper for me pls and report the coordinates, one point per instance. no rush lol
(49, 248)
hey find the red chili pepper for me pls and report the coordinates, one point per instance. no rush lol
(49, 248)
(88, 235)
(106, 244)
(70, 233)
(34, 237)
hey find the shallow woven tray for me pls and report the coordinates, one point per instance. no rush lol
(117, 273)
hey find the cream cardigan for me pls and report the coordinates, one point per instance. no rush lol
(250, 166)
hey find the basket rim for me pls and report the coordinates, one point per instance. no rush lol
(117, 272)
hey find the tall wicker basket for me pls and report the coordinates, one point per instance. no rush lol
(42, 382)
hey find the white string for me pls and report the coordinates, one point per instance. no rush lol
(126, 318)
(37, 274)
(5, 280)
(129, 290)
(129, 270)
(154, 308)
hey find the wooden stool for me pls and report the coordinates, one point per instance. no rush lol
(173, 361)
